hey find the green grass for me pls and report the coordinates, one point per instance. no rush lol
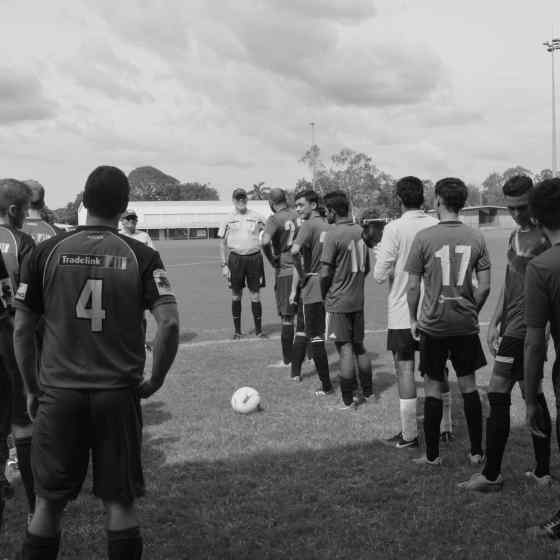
(300, 479)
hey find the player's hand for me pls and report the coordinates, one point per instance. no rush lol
(492, 339)
(293, 298)
(534, 420)
(32, 405)
(415, 330)
(226, 273)
(147, 388)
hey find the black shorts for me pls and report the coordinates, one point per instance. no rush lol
(401, 343)
(282, 290)
(69, 424)
(9, 368)
(246, 269)
(300, 318)
(509, 359)
(464, 352)
(346, 327)
(314, 317)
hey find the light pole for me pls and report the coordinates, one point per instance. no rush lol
(552, 46)
(312, 125)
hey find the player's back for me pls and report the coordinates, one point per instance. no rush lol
(39, 229)
(93, 303)
(15, 246)
(313, 233)
(282, 227)
(447, 255)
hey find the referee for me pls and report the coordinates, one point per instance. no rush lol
(242, 261)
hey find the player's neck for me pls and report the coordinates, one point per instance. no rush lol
(102, 222)
(447, 216)
(34, 214)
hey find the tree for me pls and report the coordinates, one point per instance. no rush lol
(258, 192)
(475, 195)
(543, 175)
(492, 189)
(69, 213)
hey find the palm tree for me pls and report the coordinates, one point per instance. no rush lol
(259, 192)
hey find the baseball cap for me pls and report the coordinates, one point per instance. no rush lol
(129, 214)
(239, 193)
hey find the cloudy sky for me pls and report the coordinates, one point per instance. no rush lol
(223, 91)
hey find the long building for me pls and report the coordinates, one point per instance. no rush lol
(183, 219)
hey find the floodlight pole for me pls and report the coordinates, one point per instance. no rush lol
(551, 47)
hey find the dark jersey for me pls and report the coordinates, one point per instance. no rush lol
(446, 256)
(542, 293)
(281, 227)
(348, 255)
(39, 230)
(91, 288)
(522, 247)
(15, 245)
(6, 293)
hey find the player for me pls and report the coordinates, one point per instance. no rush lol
(309, 244)
(16, 245)
(391, 256)
(445, 256)
(34, 225)
(542, 306)
(277, 239)
(344, 266)
(129, 220)
(242, 261)
(92, 287)
(506, 340)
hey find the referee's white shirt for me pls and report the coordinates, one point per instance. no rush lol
(391, 256)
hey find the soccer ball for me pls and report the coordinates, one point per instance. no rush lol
(245, 400)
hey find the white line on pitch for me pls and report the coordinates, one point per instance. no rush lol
(181, 265)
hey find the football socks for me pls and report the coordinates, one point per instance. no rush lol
(365, 373)
(541, 445)
(298, 353)
(125, 545)
(23, 450)
(433, 410)
(256, 308)
(347, 390)
(319, 354)
(40, 548)
(497, 432)
(473, 414)
(287, 340)
(446, 423)
(236, 313)
(408, 419)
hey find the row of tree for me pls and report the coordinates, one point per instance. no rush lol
(354, 172)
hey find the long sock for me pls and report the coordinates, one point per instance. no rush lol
(125, 545)
(321, 361)
(497, 432)
(347, 390)
(23, 450)
(446, 422)
(433, 410)
(298, 353)
(408, 419)
(287, 341)
(541, 446)
(236, 313)
(256, 308)
(40, 548)
(473, 413)
(366, 374)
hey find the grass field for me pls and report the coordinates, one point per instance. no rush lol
(301, 479)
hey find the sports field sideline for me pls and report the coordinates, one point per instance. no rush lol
(301, 479)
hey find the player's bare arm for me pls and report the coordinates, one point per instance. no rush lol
(413, 300)
(165, 347)
(26, 355)
(482, 291)
(535, 353)
(266, 244)
(295, 286)
(326, 277)
(223, 258)
(494, 326)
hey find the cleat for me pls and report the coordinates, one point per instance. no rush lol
(261, 334)
(447, 437)
(479, 483)
(296, 378)
(149, 347)
(403, 443)
(351, 406)
(541, 481)
(395, 438)
(550, 528)
(323, 393)
(477, 458)
(237, 336)
(360, 399)
(423, 460)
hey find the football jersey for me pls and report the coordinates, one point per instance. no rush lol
(91, 288)
(281, 227)
(242, 232)
(141, 236)
(446, 256)
(15, 245)
(345, 250)
(38, 229)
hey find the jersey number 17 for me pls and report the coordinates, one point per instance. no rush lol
(444, 256)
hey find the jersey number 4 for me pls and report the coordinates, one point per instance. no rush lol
(443, 256)
(89, 304)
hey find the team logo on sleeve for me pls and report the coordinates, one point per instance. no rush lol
(21, 291)
(162, 282)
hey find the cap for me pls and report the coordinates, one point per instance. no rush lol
(239, 193)
(129, 214)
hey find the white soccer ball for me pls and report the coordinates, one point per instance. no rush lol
(245, 400)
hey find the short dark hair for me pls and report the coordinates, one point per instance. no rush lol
(13, 192)
(37, 194)
(337, 201)
(310, 195)
(517, 185)
(411, 191)
(453, 192)
(106, 192)
(544, 203)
